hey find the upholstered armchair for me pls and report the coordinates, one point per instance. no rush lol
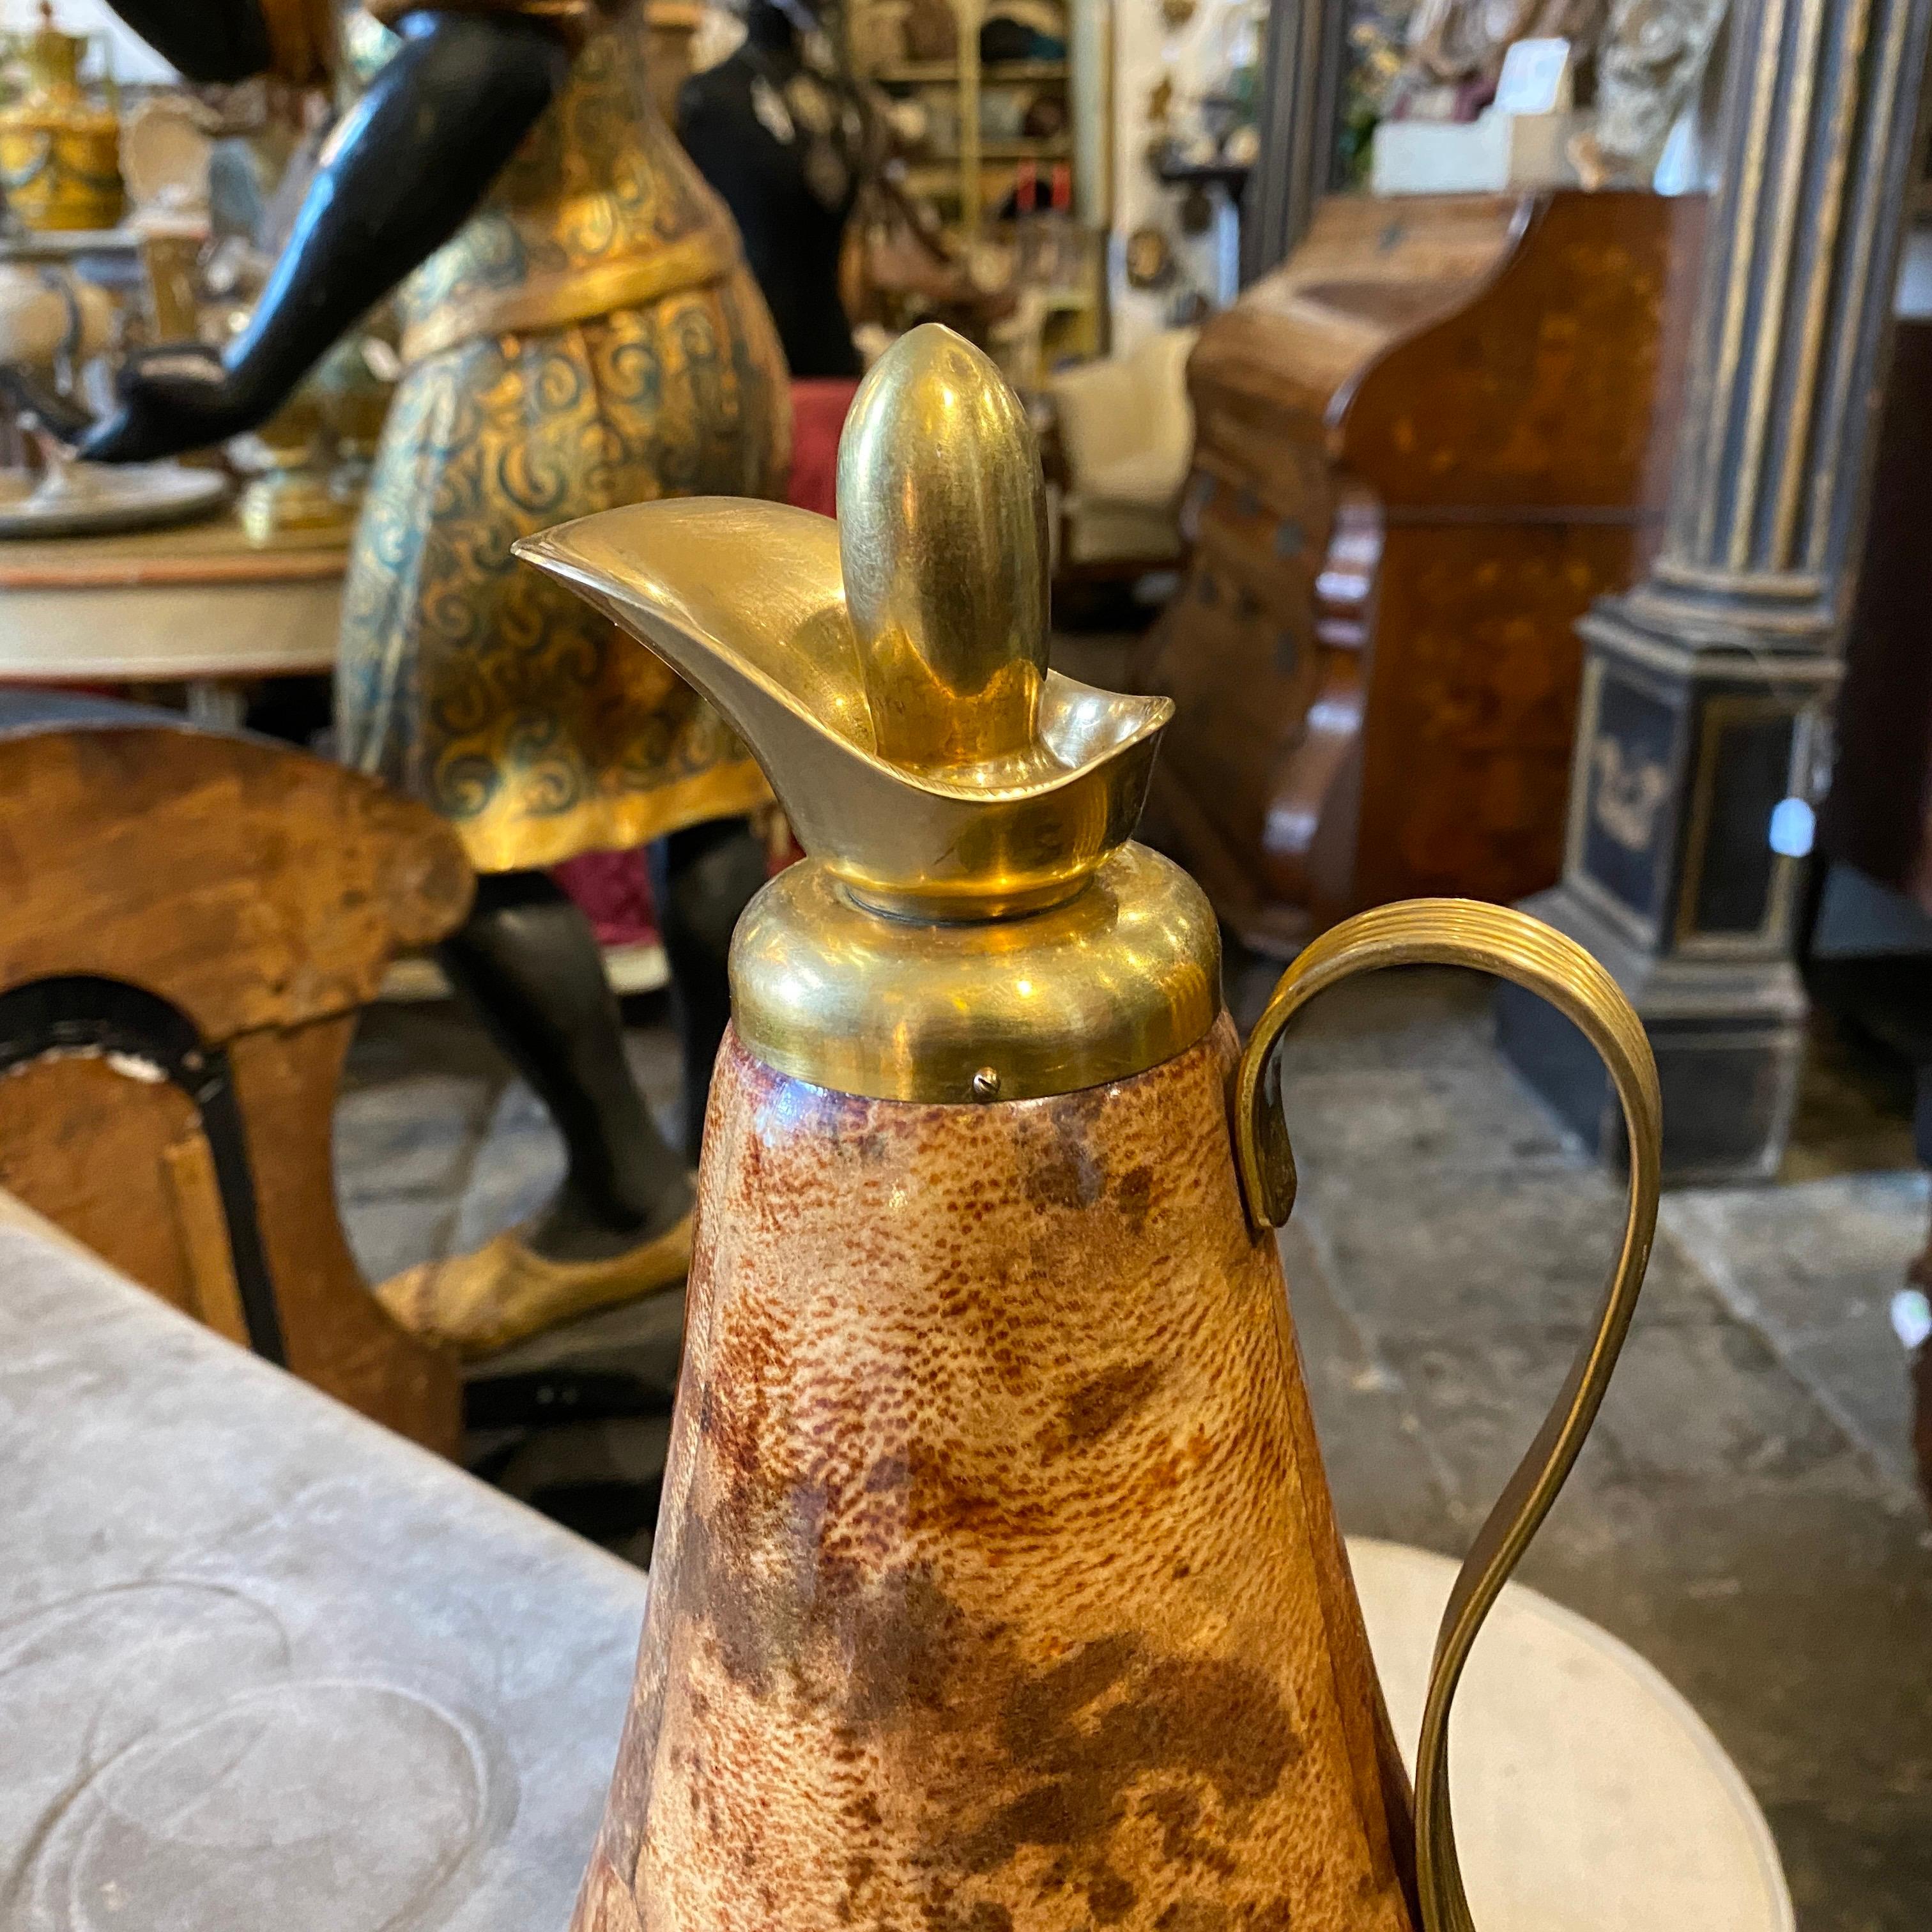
(1126, 436)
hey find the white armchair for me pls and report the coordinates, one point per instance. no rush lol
(1126, 434)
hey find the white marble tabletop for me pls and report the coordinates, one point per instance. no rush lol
(1588, 1796)
(262, 1664)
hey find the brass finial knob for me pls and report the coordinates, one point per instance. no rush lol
(942, 529)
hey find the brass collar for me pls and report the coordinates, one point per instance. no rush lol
(1122, 976)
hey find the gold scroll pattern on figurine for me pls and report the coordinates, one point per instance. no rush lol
(488, 691)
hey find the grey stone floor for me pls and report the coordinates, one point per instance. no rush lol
(1744, 1514)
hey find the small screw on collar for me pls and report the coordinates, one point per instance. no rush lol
(986, 1085)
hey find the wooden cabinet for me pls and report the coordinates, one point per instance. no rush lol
(1423, 444)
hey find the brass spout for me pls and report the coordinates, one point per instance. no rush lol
(889, 670)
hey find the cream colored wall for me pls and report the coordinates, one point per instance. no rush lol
(1144, 48)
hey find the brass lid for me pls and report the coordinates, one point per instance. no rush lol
(971, 922)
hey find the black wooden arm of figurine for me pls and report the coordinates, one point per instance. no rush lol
(396, 178)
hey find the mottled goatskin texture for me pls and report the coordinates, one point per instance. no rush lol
(998, 1588)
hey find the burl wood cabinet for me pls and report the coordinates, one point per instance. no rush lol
(1423, 444)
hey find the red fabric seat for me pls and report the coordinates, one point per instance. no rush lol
(819, 404)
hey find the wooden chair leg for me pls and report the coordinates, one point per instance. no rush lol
(336, 1334)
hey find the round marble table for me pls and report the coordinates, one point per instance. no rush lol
(198, 604)
(1589, 1796)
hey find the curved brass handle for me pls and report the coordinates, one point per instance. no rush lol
(1462, 932)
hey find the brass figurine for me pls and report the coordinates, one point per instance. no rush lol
(578, 329)
(590, 335)
(998, 1583)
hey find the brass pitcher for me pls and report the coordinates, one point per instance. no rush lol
(60, 154)
(997, 1587)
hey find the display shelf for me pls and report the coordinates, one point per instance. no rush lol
(1008, 151)
(942, 181)
(1001, 72)
(958, 178)
(930, 74)
(1232, 176)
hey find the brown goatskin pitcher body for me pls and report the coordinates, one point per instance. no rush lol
(997, 1586)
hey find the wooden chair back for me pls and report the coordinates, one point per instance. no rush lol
(190, 922)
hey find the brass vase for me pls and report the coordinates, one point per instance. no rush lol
(60, 153)
(997, 1588)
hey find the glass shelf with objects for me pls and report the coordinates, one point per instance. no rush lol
(983, 96)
